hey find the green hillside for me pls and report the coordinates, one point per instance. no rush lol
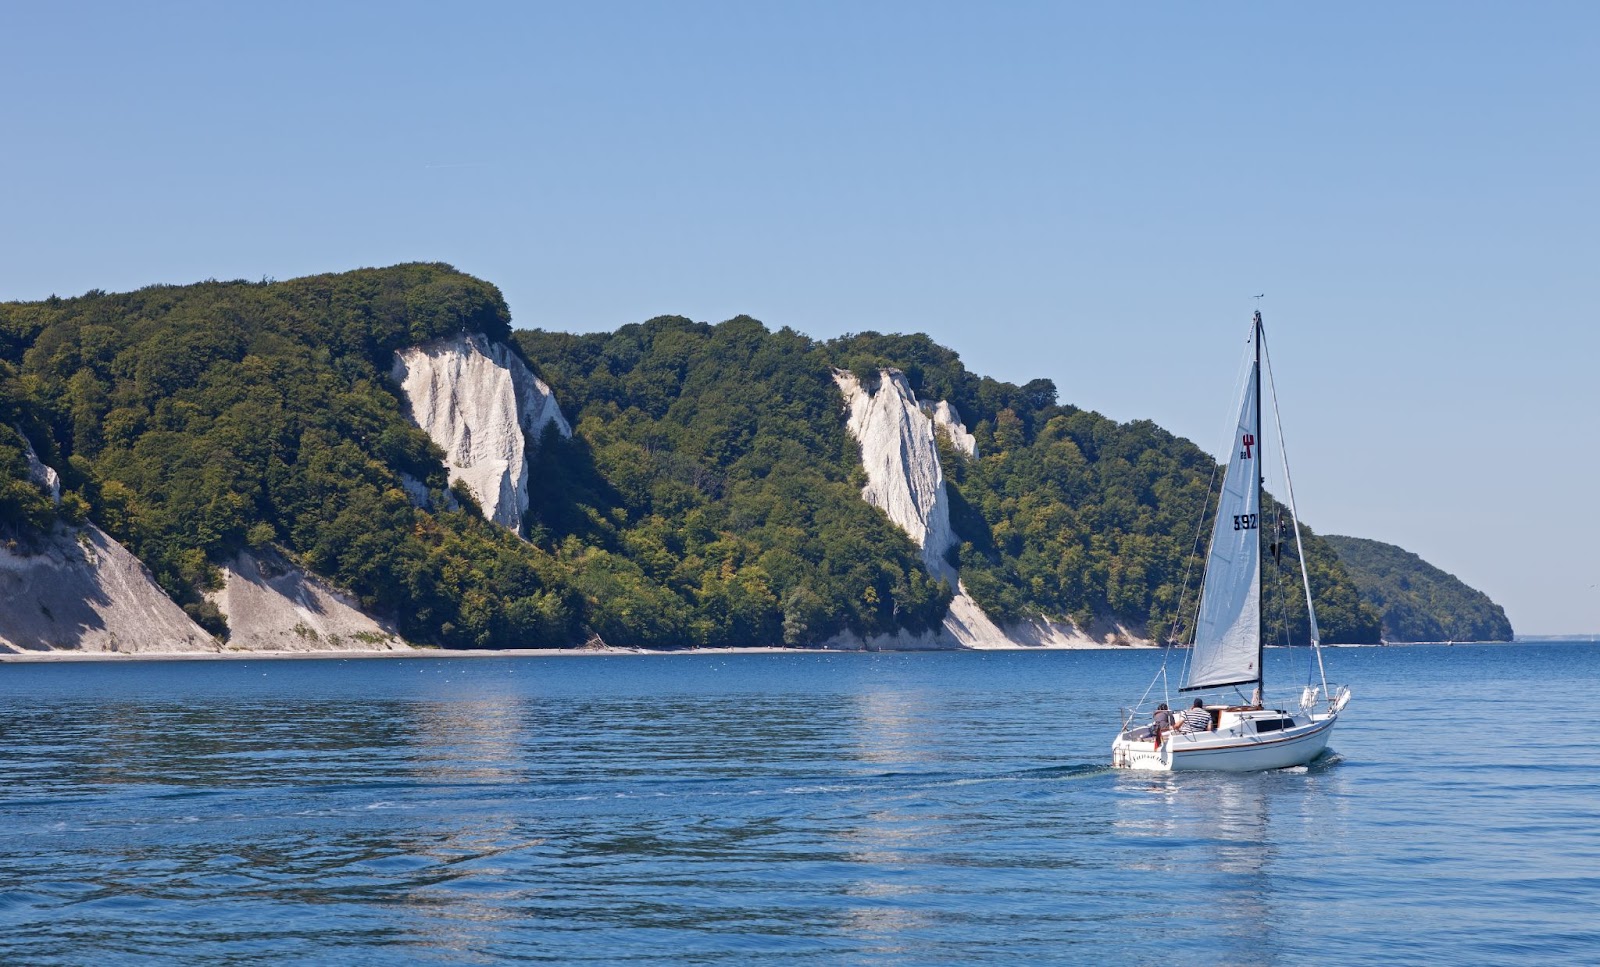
(191, 421)
(710, 494)
(1417, 601)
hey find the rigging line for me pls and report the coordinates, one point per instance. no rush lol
(1294, 515)
(1189, 559)
(1311, 664)
(1277, 585)
(1166, 690)
(1188, 571)
(1281, 599)
(1161, 675)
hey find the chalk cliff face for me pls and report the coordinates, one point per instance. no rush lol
(904, 480)
(484, 408)
(77, 589)
(273, 605)
(949, 422)
(82, 591)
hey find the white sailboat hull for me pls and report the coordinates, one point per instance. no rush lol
(1235, 749)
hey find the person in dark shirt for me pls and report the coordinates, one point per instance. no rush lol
(1196, 718)
(1162, 722)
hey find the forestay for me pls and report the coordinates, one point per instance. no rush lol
(1227, 646)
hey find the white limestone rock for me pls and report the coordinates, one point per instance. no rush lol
(273, 605)
(416, 490)
(904, 480)
(81, 591)
(948, 420)
(484, 408)
(902, 462)
(1044, 633)
(968, 626)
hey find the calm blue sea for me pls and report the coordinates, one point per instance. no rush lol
(793, 809)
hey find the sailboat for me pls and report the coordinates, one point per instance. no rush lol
(1246, 735)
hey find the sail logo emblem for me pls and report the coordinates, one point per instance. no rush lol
(1248, 441)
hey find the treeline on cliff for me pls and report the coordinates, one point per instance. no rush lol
(712, 498)
(711, 494)
(193, 421)
(1415, 600)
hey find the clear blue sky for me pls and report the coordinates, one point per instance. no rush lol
(1086, 192)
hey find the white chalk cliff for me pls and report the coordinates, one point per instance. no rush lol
(79, 590)
(485, 409)
(948, 420)
(273, 605)
(904, 480)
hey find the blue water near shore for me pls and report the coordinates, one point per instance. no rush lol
(754, 809)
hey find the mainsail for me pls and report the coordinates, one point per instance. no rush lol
(1227, 644)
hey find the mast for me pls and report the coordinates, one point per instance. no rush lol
(1261, 437)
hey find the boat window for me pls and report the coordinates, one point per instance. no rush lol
(1273, 725)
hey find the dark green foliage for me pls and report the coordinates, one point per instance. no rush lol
(936, 373)
(198, 420)
(1342, 614)
(24, 507)
(708, 496)
(1417, 601)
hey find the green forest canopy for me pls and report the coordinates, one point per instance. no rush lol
(710, 494)
(1415, 600)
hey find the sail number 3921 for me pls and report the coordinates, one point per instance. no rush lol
(1244, 522)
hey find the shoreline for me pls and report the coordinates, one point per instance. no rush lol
(51, 657)
(47, 657)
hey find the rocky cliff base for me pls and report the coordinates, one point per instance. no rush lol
(273, 605)
(78, 590)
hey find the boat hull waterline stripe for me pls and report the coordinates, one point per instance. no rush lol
(1293, 749)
